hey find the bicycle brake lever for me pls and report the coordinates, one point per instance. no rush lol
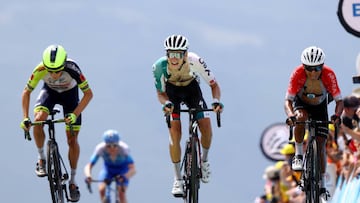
(27, 135)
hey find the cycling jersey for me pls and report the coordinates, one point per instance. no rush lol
(313, 92)
(113, 165)
(183, 76)
(70, 77)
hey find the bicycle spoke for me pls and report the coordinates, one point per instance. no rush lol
(54, 174)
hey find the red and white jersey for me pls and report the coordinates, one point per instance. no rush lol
(300, 86)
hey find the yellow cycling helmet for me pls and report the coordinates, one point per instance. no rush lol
(331, 127)
(54, 57)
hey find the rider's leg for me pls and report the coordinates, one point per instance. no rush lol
(206, 136)
(102, 188)
(299, 132)
(174, 146)
(73, 153)
(39, 134)
(322, 150)
(122, 193)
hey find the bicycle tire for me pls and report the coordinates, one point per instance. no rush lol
(312, 191)
(54, 173)
(195, 172)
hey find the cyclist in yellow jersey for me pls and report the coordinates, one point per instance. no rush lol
(62, 78)
(176, 80)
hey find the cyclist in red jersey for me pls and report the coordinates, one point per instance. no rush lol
(62, 80)
(307, 95)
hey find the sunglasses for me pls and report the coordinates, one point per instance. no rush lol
(112, 145)
(178, 55)
(313, 68)
(54, 72)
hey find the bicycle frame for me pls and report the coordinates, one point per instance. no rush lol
(311, 176)
(55, 163)
(109, 189)
(192, 156)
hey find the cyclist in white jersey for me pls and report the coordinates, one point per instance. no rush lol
(117, 163)
(176, 80)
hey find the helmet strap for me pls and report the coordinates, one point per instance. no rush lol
(182, 65)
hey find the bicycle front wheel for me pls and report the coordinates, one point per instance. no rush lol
(195, 172)
(54, 173)
(313, 174)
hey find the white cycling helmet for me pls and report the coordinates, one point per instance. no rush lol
(176, 42)
(312, 56)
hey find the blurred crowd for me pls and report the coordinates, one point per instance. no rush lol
(342, 171)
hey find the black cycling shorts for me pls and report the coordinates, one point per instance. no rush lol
(190, 95)
(68, 100)
(315, 112)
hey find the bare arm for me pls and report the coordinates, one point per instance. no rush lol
(162, 96)
(88, 94)
(131, 172)
(25, 101)
(87, 170)
(289, 110)
(353, 133)
(339, 107)
(215, 91)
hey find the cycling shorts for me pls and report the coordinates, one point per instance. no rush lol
(48, 98)
(315, 112)
(108, 174)
(190, 95)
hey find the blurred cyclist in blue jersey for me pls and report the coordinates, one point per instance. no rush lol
(117, 163)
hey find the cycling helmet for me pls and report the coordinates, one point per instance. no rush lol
(176, 42)
(312, 56)
(54, 57)
(111, 136)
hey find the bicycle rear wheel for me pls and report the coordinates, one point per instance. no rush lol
(312, 190)
(54, 173)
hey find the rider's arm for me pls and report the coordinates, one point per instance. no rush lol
(131, 172)
(88, 94)
(25, 100)
(353, 133)
(215, 91)
(289, 108)
(339, 107)
(87, 170)
(37, 74)
(162, 96)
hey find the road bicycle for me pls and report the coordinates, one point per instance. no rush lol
(56, 170)
(109, 188)
(191, 162)
(311, 176)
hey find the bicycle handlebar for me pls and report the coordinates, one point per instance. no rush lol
(118, 177)
(45, 122)
(194, 110)
(311, 123)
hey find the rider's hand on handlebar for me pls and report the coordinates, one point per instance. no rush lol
(217, 106)
(88, 179)
(122, 178)
(291, 120)
(168, 107)
(25, 124)
(70, 118)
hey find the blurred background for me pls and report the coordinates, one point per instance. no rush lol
(251, 46)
